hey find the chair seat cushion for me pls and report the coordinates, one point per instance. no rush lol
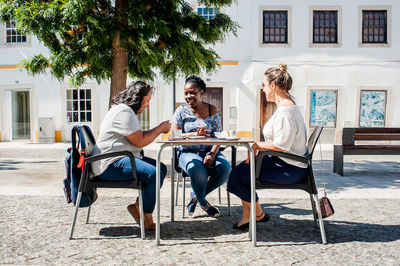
(96, 182)
(305, 185)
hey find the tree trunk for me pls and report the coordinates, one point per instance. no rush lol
(119, 57)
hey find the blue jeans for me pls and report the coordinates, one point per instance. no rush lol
(145, 171)
(273, 170)
(202, 185)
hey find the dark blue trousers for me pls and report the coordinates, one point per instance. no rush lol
(273, 170)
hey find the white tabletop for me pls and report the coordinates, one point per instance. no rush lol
(197, 141)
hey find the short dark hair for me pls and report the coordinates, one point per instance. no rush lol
(133, 95)
(198, 82)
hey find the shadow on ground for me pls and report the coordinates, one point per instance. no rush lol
(288, 226)
(12, 165)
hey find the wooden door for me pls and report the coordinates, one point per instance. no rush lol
(214, 96)
(267, 109)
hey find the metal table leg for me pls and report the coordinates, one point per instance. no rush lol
(172, 185)
(158, 168)
(252, 228)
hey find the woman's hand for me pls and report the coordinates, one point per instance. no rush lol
(203, 132)
(141, 138)
(209, 160)
(165, 126)
(255, 147)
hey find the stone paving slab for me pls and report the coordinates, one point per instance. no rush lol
(58, 150)
(364, 178)
(35, 230)
(35, 222)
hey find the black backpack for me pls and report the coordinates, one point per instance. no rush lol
(74, 165)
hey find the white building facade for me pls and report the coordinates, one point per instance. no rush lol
(344, 58)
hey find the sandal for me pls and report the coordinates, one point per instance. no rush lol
(264, 219)
(245, 226)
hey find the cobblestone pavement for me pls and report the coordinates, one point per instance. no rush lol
(35, 230)
(35, 221)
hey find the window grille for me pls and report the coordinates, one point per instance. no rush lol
(374, 26)
(325, 27)
(207, 12)
(275, 26)
(79, 105)
(12, 34)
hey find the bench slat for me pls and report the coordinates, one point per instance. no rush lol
(372, 147)
(377, 130)
(379, 136)
(348, 147)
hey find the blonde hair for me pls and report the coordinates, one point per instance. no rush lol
(281, 78)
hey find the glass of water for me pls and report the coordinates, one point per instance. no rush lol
(176, 133)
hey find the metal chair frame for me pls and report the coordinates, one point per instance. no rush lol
(308, 185)
(88, 180)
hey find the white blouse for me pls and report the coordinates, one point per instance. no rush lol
(287, 131)
(119, 122)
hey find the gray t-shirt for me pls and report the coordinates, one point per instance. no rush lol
(287, 131)
(119, 122)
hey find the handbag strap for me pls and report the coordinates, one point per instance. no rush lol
(322, 166)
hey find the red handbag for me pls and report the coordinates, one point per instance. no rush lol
(326, 207)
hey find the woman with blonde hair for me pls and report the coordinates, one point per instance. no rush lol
(284, 131)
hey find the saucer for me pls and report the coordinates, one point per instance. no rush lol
(231, 138)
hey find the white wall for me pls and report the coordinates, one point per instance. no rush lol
(346, 68)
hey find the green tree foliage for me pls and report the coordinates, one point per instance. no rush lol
(96, 38)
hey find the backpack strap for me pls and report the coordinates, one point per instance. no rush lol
(74, 132)
(87, 128)
(77, 131)
(81, 159)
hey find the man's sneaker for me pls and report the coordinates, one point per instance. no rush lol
(192, 204)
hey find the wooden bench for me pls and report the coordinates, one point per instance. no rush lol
(348, 147)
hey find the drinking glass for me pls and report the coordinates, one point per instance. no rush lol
(176, 133)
